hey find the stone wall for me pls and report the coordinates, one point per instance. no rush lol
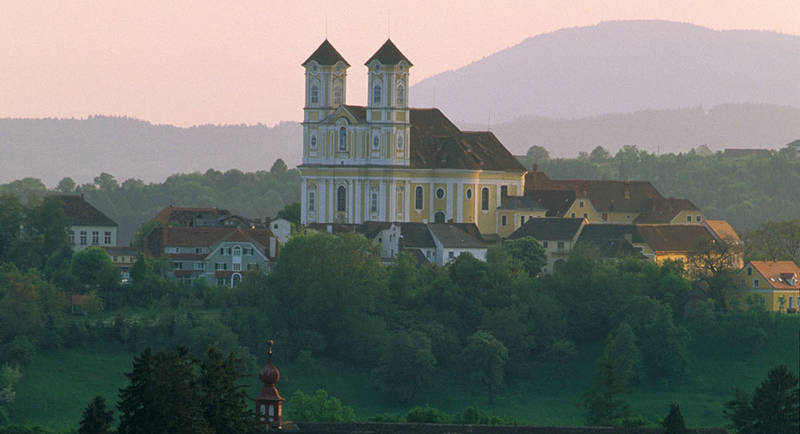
(426, 428)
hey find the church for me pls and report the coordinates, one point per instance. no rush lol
(387, 162)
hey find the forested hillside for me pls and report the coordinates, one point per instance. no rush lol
(746, 191)
(132, 202)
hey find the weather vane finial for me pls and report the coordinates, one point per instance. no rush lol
(270, 342)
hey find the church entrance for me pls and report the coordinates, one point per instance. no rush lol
(438, 217)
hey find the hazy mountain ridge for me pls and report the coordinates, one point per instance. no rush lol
(661, 131)
(619, 67)
(50, 149)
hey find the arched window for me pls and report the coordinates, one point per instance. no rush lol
(314, 94)
(341, 199)
(236, 279)
(312, 196)
(485, 199)
(438, 217)
(401, 142)
(401, 95)
(237, 251)
(376, 94)
(418, 198)
(342, 139)
(376, 143)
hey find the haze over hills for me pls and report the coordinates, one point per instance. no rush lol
(619, 67)
(643, 83)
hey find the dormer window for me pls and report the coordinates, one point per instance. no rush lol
(376, 94)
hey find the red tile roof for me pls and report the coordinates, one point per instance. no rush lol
(779, 273)
(723, 230)
(205, 236)
(177, 216)
(673, 238)
(82, 213)
(661, 210)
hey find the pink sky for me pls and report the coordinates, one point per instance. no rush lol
(194, 62)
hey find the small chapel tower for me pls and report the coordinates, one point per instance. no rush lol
(387, 105)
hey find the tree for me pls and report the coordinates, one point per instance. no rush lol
(427, 414)
(537, 154)
(624, 354)
(406, 365)
(774, 407)
(94, 270)
(775, 241)
(599, 155)
(224, 406)
(279, 167)
(66, 185)
(9, 377)
(96, 418)
(485, 355)
(291, 212)
(106, 182)
(602, 401)
(162, 397)
(713, 256)
(318, 407)
(529, 252)
(674, 423)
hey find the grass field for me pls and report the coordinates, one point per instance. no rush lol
(59, 384)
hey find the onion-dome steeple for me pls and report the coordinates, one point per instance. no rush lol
(269, 402)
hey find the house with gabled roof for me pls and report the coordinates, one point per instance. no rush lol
(673, 242)
(557, 235)
(219, 254)
(616, 240)
(88, 225)
(776, 283)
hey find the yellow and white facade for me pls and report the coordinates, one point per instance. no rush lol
(387, 162)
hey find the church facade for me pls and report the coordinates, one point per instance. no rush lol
(391, 163)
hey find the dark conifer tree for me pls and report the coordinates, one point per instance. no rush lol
(674, 422)
(96, 418)
(138, 414)
(774, 407)
(224, 406)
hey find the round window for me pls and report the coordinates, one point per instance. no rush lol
(469, 193)
(439, 193)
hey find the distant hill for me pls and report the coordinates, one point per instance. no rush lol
(50, 149)
(656, 131)
(619, 67)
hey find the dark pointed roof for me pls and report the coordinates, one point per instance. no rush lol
(389, 54)
(325, 54)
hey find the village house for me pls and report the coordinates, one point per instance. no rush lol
(88, 225)
(219, 254)
(777, 284)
